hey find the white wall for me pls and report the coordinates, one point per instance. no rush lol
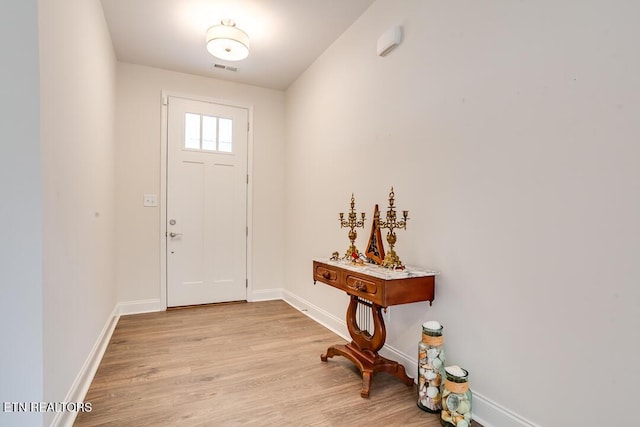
(510, 132)
(20, 212)
(138, 134)
(77, 118)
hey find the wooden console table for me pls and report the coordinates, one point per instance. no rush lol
(378, 288)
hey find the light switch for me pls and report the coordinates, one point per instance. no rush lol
(150, 200)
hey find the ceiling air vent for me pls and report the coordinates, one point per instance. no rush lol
(225, 67)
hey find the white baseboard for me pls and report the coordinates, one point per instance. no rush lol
(83, 380)
(142, 306)
(491, 414)
(152, 305)
(326, 319)
(485, 411)
(266, 295)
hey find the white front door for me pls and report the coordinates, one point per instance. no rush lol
(206, 202)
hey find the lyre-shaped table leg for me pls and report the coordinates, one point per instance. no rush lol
(363, 350)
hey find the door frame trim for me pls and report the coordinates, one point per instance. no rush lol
(164, 129)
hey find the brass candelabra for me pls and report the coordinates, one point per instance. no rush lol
(352, 222)
(391, 259)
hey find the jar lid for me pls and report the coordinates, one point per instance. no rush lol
(432, 328)
(456, 374)
(433, 325)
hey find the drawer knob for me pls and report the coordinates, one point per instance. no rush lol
(360, 286)
(326, 275)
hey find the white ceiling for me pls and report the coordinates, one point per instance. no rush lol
(286, 35)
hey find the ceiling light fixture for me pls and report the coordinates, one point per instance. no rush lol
(226, 41)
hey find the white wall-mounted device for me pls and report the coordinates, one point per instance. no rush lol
(150, 200)
(389, 40)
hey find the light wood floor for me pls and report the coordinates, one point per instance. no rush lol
(238, 364)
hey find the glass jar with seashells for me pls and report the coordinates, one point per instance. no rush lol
(456, 398)
(430, 367)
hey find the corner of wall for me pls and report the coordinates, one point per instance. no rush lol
(82, 382)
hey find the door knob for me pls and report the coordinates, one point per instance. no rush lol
(172, 234)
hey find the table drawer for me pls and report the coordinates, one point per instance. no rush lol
(368, 288)
(326, 274)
